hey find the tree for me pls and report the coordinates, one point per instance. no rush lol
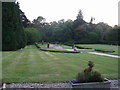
(32, 35)
(39, 21)
(80, 33)
(77, 31)
(13, 36)
(93, 37)
(92, 20)
(79, 20)
(101, 29)
(68, 31)
(113, 35)
(40, 25)
(24, 19)
(77, 24)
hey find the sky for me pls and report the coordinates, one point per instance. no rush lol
(53, 10)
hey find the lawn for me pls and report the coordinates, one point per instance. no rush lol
(32, 65)
(102, 46)
(0, 68)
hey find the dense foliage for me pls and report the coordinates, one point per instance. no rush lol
(32, 35)
(15, 31)
(77, 31)
(13, 36)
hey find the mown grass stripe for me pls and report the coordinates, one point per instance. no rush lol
(40, 66)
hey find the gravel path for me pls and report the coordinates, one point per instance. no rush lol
(38, 85)
(56, 47)
(114, 84)
(62, 48)
(104, 54)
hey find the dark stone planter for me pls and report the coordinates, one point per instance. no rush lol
(105, 84)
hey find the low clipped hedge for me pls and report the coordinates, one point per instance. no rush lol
(37, 45)
(83, 47)
(79, 47)
(105, 50)
(69, 44)
(62, 51)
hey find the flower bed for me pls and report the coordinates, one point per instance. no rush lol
(53, 50)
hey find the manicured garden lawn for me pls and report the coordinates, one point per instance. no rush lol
(102, 46)
(33, 65)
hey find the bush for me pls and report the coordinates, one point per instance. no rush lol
(89, 75)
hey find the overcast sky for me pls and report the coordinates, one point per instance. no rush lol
(54, 10)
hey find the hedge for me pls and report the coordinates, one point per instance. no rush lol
(105, 50)
(82, 47)
(62, 51)
(79, 47)
(37, 45)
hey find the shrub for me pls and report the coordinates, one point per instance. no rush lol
(80, 77)
(97, 76)
(89, 75)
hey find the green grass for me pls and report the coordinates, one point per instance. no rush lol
(102, 46)
(33, 65)
(0, 68)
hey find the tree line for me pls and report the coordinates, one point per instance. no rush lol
(77, 31)
(18, 31)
